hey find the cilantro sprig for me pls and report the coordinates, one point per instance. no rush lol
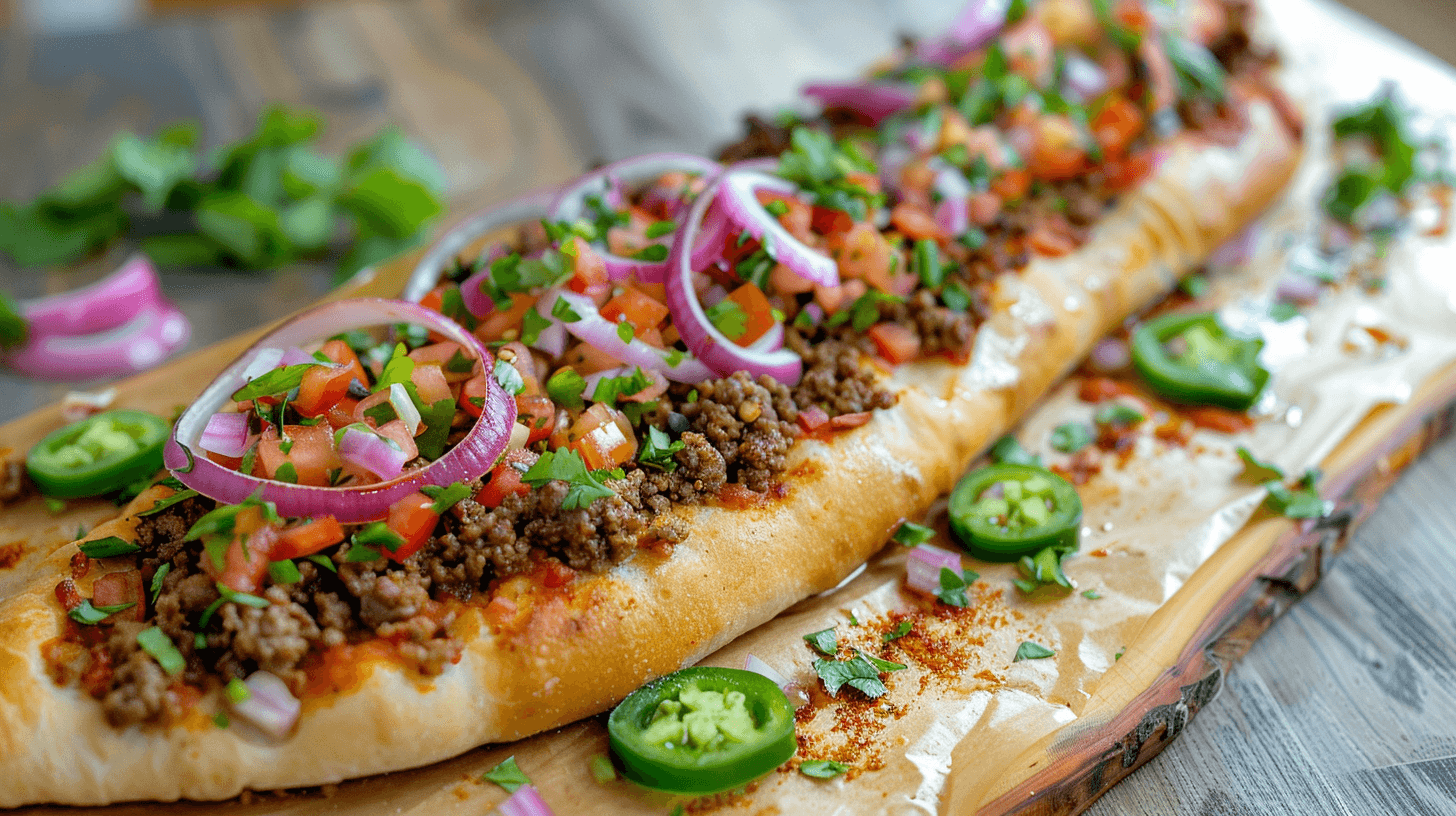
(583, 486)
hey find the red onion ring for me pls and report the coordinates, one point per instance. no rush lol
(741, 206)
(875, 100)
(711, 346)
(148, 338)
(977, 23)
(106, 304)
(571, 203)
(529, 207)
(473, 456)
(601, 333)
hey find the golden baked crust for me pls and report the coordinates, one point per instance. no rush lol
(583, 649)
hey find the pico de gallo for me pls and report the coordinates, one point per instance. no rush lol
(657, 334)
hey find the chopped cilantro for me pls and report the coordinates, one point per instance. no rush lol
(436, 420)
(1198, 71)
(178, 497)
(1118, 415)
(654, 253)
(236, 691)
(1302, 502)
(509, 378)
(1070, 437)
(158, 578)
(955, 297)
(657, 229)
(1008, 450)
(92, 615)
(911, 534)
(609, 389)
(565, 388)
(446, 497)
(1256, 469)
(1031, 651)
(729, 318)
(272, 383)
(658, 449)
(1194, 286)
(286, 472)
(925, 262)
(860, 672)
(1091, 594)
(156, 643)
(508, 775)
(375, 534)
(284, 572)
(822, 768)
(583, 488)
(108, 547)
(325, 562)
(532, 325)
(824, 641)
(952, 590)
(244, 598)
(561, 310)
(1042, 569)
(898, 632)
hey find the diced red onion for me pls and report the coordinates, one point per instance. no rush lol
(1295, 287)
(1082, 79)
(552, 339)
(147, 339)
(469, 459)
(977, 23)
(815, 312)
(526, 209)
(371, 452)
(571, 204)
(106, 304)
(923, 566)
(601, 333)
(875, 100)
(1236, 250)
(226, 434)
(293, 355)
(404, 408)
(737, 197)
(1110, 356)
(270, 707)
(711, 346)
(953, 216)
(524, 802)
(757, 666)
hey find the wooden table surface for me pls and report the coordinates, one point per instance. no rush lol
(1347, 705)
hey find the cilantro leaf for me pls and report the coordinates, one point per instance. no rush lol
(858, 673)
(824, 641)
(658, 449)
(158, 578)
(1117, 415)
(729, 318)
(1031, 651)
(446, 497)
(898, 632)
(108, 547)
(952, 590)
(156, 643)
(1303, 502)
(509, 378)
(583, 488)
(822, 768)
(1008, 450)
(1070, 437)
(532, 325)
(91, 615)
(1042, 569)
(911, 534)
(508, 775)
(271, 383)
(1256, 469)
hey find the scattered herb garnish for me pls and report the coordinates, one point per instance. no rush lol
(1091, 594)
(911, 534)
(446, 497)
(1008, 450)
(952, 590)
(859, 672)
(1031, 651)
(822, 768)
(92, 615)
(1117, 415)
(824, 641)
(508, 775)
(156, 643)
(1256, 469)
(658, 449)
(583, 488)
(1301, 501)
(108, 547)
(1070, 437)
(898, 632)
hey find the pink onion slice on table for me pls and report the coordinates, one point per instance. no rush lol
(737, 196)
(528, 208)
(470, 458)
(526, 801)
(710, 345)
(923, 566)
(571, 204)
(148, 338)
(874, 99)
(106, 304)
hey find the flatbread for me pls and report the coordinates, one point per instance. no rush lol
(589, 644)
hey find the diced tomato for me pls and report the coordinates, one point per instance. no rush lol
(896, 343)
(440, 354)
(642, 311)
(505, 478)
(117, 588)
(589, 275)
(430, 384)
(757, 310)
(413, 520)
(588, 359)
(307, 539)
(495, 325)
(395, 431)
(244, 566)
(1116, 125)
(472, 394)
(555, 574)
(652, 337)
(844, 422)
(1047, 239)
(1127, 173)
(1057, 153)
(1132, 15)
(229, 462)
(916, 223)
(322, 388)
(435, 300)
(311, 453)
(1012, 185)
(538, 413)
(343, 412)
(341, 353)
(983, 208)
(813, 420)
(603, 437)
(797, 220)
(829, 221)
(866, 254)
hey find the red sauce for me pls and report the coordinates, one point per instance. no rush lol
(1219, 419)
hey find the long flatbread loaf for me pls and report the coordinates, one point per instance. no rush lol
(589, 644)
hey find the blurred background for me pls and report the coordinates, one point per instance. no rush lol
(504, 96)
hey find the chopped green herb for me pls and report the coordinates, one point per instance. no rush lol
(822, 768)
(532, 325)
(156, 643)
(955, 297)
(777, 208)
(1008, 450)
(286, 472)
(108, 547)
(1256, 469)
(1282, 311)
(436, 420)
(92, 615)
(1070, 437)
(359, 553)
(911, 534)
(859, 672)
(272, 383)
(729, 318)
(657, 229)
(230, 594)
(509, 378)
(898, 632)
(658, 449)
(824, 641)
(508, 775)
(625, 331)
(236, 691)
(1302, 502)
(158, 578)
(565, 388)
(1031, 651)
(163, 504)
(925, 262)
(952, 590)
(1042, 569)
(446, 497)
(326, 562)
(377, 534)
(284, 572)
(566, 466)
(609, 389)
(1118, 415)
(1091, 594)
(653, 253)
(561, 310)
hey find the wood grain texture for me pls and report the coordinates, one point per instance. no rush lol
(1347, 705)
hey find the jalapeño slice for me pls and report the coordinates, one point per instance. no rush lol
(1192, 359)
(702, 730)
(99, 454)
(1005, 511)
